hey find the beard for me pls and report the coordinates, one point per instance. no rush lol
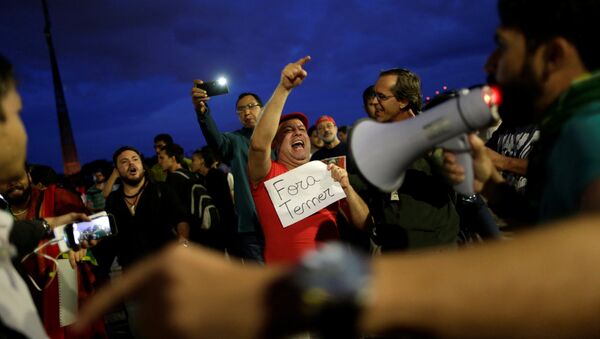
(519, 97)
(132, 181)
(17, 200)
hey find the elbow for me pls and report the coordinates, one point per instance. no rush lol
(258, 147)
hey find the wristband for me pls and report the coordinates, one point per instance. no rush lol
(47, 228)
(324, 293)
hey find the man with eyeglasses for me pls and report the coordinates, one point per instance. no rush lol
(233, 148)
(421, 213)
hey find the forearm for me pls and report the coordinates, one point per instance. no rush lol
(495, 290)
(110, 182)
(259, 155)
(268, 121)
(358, 209)
(211, 133)
(514, 165)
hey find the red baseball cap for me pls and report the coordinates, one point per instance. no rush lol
(295, 115)
(325, 118)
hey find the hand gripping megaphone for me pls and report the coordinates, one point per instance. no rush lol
(383, 151)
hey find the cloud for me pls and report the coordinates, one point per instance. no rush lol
(127, 67)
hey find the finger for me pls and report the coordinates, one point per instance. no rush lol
(477, 145)
(455, 169)
(456, 178)
(303, 61)
(290, 72)
(449, 158)
(198, 93)
(127, 286)
(497, 176)
(72, 259)
(75, 216)
(198, 82)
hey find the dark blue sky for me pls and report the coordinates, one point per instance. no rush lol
(127, 66)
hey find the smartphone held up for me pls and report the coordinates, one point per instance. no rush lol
(216, 87)
(71, 236)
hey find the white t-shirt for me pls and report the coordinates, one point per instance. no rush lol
(16, 305)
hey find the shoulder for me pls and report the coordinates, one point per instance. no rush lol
(276, 170)
(241, 133)
(582, 130)
(318, 155)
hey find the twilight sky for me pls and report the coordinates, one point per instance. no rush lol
(127, 66)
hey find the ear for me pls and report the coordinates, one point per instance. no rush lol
(403, 104)
(555, 54)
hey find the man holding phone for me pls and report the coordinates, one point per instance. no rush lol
(18, 316)
(233, 148)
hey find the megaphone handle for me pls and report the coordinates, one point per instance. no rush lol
(461, 147)
(466, 186)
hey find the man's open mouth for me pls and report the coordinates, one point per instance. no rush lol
(298, 144)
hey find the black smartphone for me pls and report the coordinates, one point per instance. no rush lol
(212, 88)
(100, 226)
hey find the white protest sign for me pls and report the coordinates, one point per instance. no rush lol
(303, 191)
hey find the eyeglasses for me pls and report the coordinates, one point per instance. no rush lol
(242, 109)
(382, 97)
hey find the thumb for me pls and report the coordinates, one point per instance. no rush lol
(477, 145)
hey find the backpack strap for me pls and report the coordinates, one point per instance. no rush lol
(183, 175)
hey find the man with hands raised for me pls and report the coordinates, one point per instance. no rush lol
(287, 135)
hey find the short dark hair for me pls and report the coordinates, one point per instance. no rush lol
(407, 87)
(343, 129)
(7, 81)
(174, 150)
(167, 138)
(208, 155)
(245, 94)
(368, 93)
(43, 174)
(542, 20)
(123, 149)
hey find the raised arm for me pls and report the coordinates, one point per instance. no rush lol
(110, 182)
(214, 138)
(259, 155)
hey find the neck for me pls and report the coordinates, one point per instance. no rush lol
(176, 167)
(332, 144)
(131, 190)
(22, 208)
(558, 84)
(291, 163)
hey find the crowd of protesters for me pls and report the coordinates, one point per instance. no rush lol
(224, 199)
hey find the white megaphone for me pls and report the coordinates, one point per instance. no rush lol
(383, 151)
